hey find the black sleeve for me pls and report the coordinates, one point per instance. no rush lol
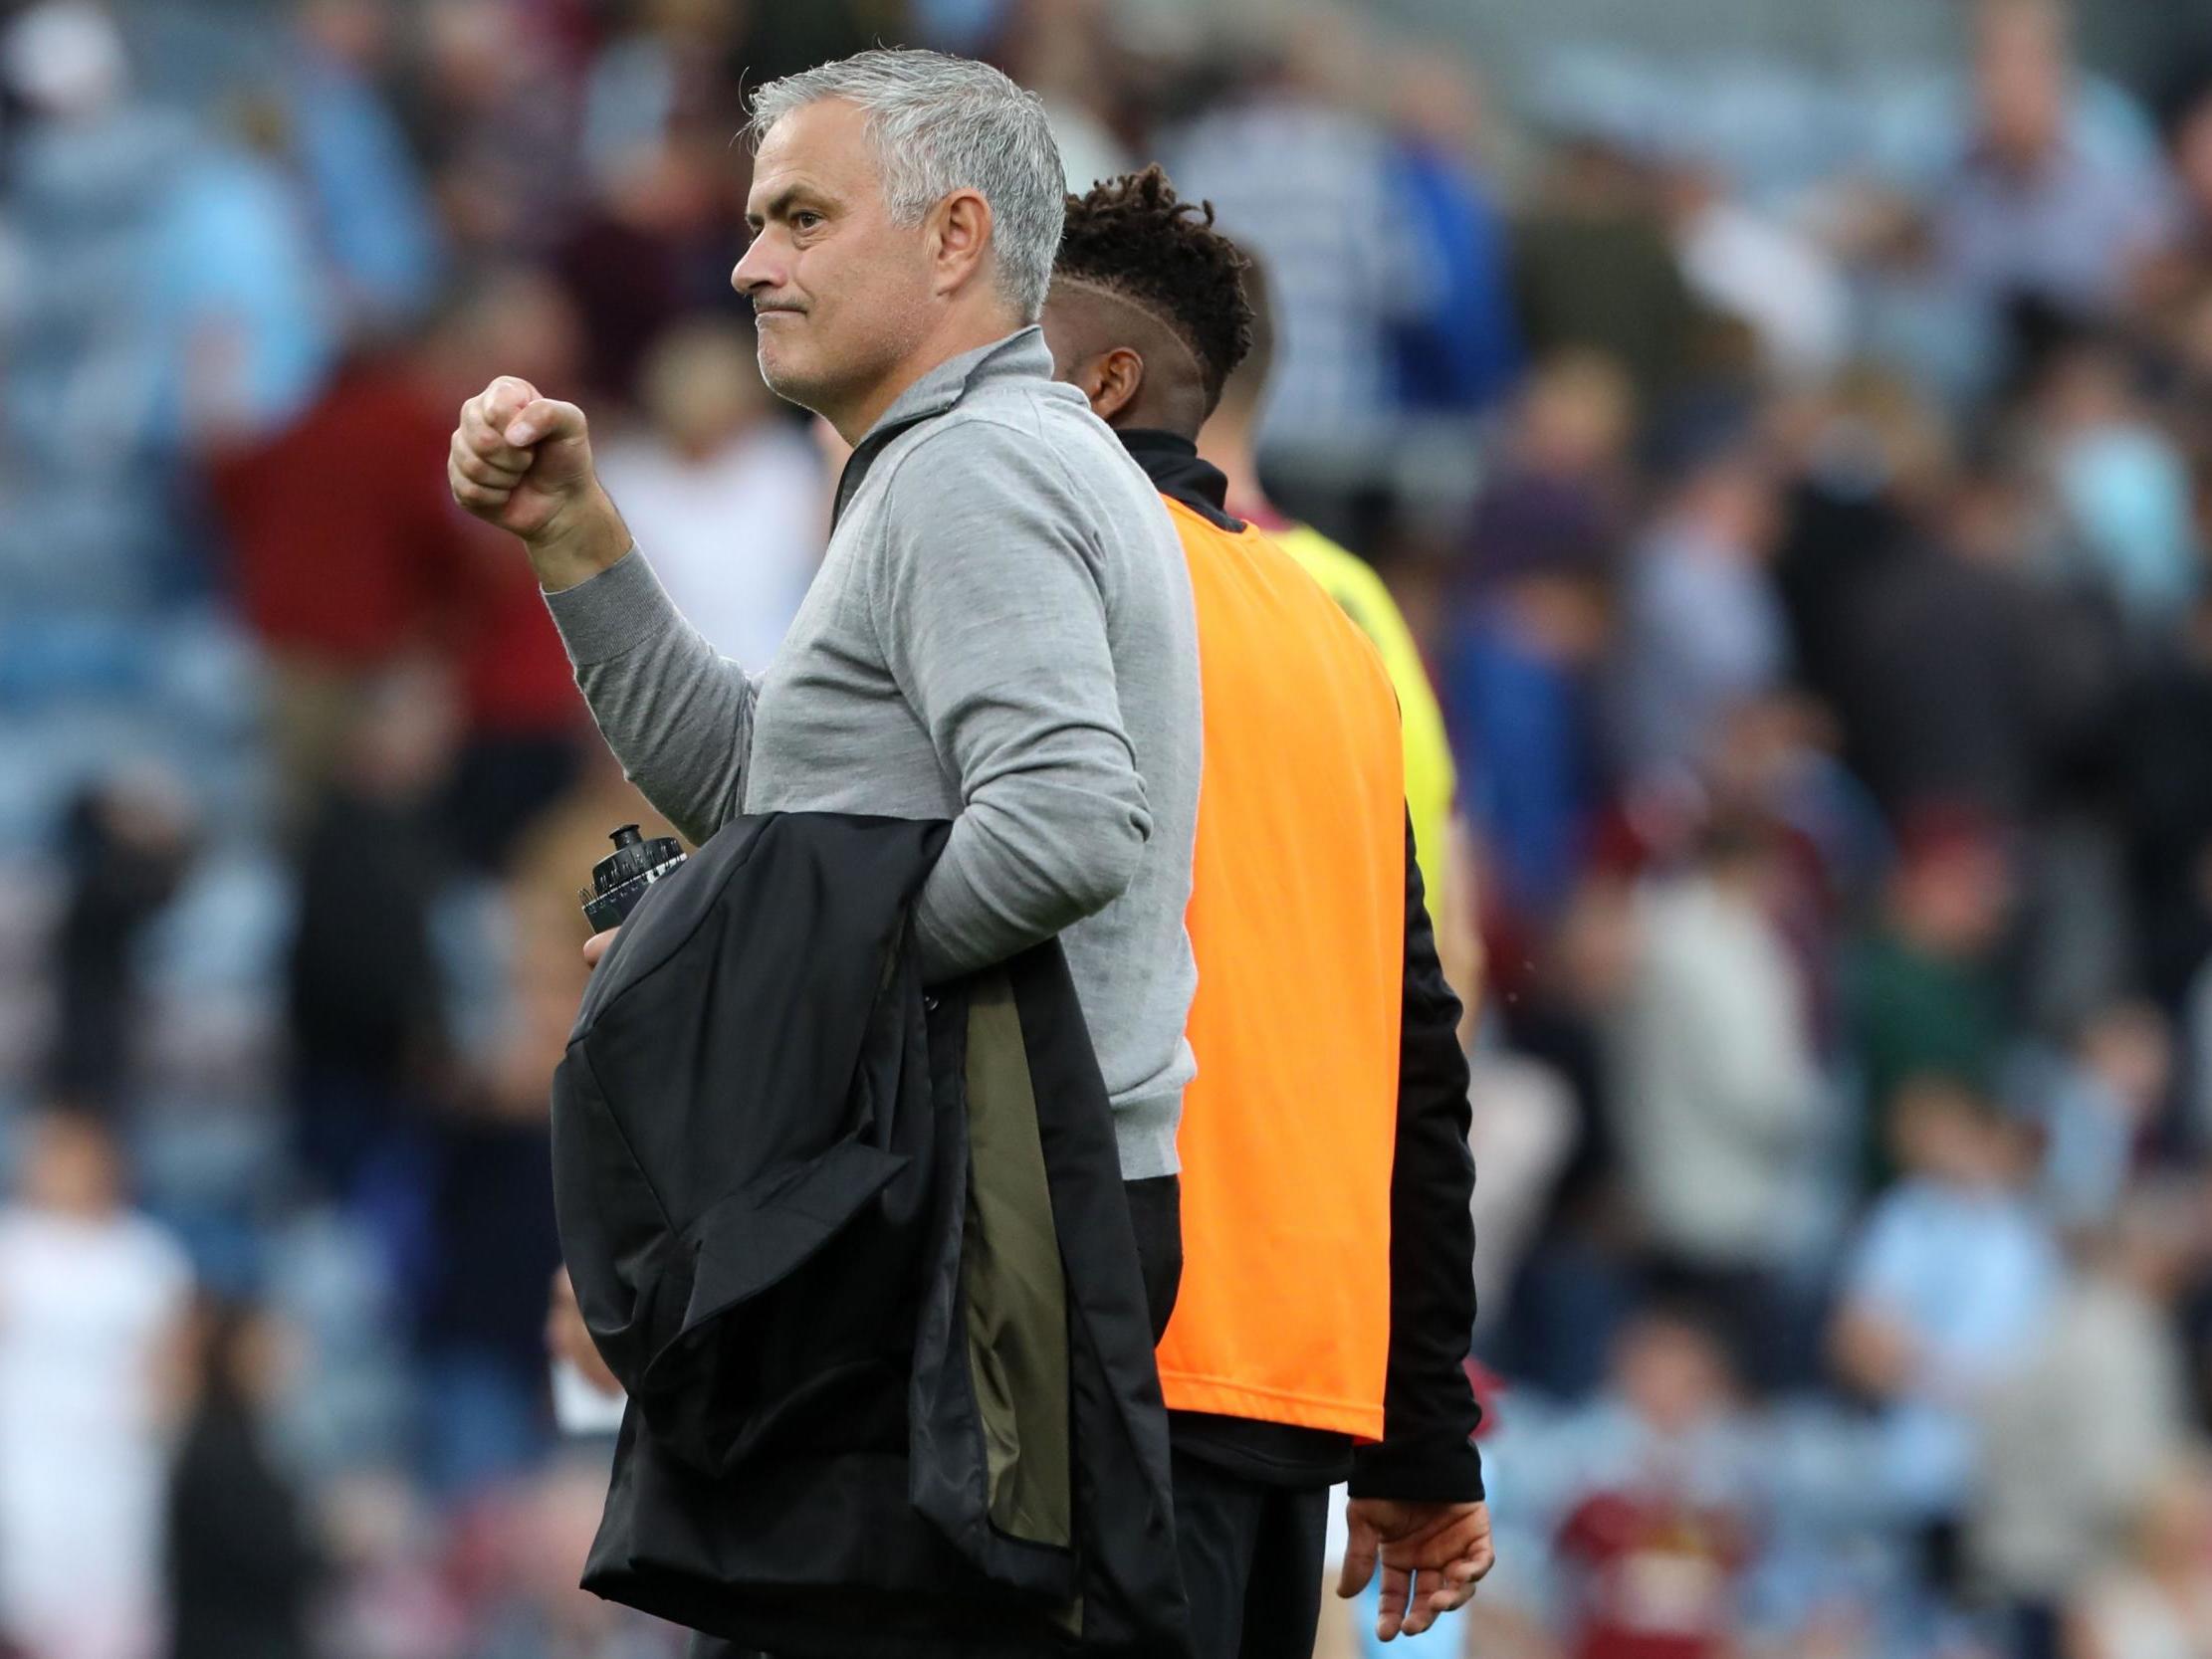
(1429, 1409)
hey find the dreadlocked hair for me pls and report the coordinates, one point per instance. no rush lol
(1132, 237)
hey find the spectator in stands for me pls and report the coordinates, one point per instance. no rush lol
(1716, 1084)
(2124, 485)
(393, 1591)
(2098, 1411)
(343, 478)
(367, 1015)
(161, 289)
(2033, 213)
(2099, 1106)
(92, 1299)
(528, 1602)
(1559, 991)
(651, 245)
(724, 488)
(493, 112)
(1461, 351)
(524, 719)
(1517, 677)
(1863, 458)
(1524, 639)
(236, 294)
(482, 1322)
(1775, 765)
(1660, 1523)
(1302, 178)
(1950, 1284)
(1595, 269)
(1743, 264)
(243, 1563)
(1065, 54)
(1923, 992)
(399, 570)
(1702, 631)
(127, 845)
(1956, 674)
(370, 212)
(660, 71)
(2165, 805)
(2159, 1604)
(2172, 271)
(1566, 442)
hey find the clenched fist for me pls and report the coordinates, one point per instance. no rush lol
(522, 462)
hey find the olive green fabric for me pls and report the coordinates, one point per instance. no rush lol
(1016, 1289)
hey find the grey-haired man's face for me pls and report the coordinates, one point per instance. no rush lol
(841, 295)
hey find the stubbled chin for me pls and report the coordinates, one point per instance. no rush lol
(781, 379)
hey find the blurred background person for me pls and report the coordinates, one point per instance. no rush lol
(724, 487)
(244, 1564)
(366, 1010)
(2121, 484)
(1702, 629)
(1595, 269)
(1760, 269)
(2039, 216)
(1461, 350)
(93, 1302)
(1300, 173)
(402, 574)
(130, 842)
(2160, 1603)
(1926, 996)
(2162, 1600)
(1716, 1088)
(2110, 1339)
(1645, 1505)
(1945, 1291)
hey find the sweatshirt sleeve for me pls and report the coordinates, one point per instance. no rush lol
(675, 712)
(1427, 1453)
(990, 605)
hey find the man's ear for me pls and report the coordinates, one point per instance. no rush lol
(1111, 380)
(960, 239)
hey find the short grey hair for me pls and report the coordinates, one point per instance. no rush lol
(940, 124)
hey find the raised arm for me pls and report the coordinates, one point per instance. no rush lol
(677, 715)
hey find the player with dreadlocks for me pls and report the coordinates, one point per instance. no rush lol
(1327, 1292)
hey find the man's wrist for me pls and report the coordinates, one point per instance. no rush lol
(1440, 1466)
(577, 549)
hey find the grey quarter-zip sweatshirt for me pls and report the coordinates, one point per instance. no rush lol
(1000, 634)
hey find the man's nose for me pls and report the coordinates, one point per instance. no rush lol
(758, 269)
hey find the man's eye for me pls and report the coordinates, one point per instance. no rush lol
(804, 220)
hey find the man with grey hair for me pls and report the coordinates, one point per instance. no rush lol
(1002, 631)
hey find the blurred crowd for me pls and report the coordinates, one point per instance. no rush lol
(1801, 485)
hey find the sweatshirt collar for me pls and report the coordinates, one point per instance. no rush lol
(1021, 356)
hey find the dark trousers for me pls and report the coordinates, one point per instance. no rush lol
(1251, 1558)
